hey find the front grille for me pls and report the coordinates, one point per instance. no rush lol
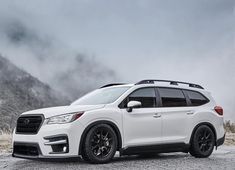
(26, 149)
(29, 124)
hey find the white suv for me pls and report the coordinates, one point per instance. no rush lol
(151, 116)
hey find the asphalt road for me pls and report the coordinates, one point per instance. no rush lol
(223, 158)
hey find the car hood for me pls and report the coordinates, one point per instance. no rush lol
(54, 111)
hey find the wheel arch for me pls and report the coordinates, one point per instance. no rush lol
(207, 124)
(110, 123)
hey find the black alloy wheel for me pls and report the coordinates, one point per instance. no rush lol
(203, 142)
(100, 144)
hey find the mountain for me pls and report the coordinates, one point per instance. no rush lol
(65, 69)
(37, 70)
(20, 91)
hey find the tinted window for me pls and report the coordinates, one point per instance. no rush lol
(172, 97)
(146, 96)
(196, 98)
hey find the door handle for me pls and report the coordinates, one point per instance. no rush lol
(190, 112)
(157, 115)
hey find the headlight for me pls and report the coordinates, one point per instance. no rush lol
(66, 118)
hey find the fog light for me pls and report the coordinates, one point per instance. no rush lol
(59, 144)
(64, 148)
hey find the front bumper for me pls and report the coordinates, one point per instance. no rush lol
(33, 151)
(51, 141)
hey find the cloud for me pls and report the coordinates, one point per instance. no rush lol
(50, 60)
(182, 40)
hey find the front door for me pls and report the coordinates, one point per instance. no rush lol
(142, 126)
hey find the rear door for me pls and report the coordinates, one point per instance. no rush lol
(175, 114)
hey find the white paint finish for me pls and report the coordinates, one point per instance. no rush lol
(175, 121)
(55, 111)
(142, 126)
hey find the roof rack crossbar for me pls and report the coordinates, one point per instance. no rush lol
(112, 84)
(172, 82)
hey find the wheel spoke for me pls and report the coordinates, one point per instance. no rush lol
(101, 134)
(99, 152)
(106, 136)
(204, 148)
(100, 142)
(204, 136)
(94, 147)
(205, 140)
(200, 147)
(200, 142)
(96, 141)
(109, 139)
(208, 136)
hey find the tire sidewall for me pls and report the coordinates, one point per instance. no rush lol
(195, 146)
(90, 155)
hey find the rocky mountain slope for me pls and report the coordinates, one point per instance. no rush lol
(62, 71)
(63, 68)
(19, 92)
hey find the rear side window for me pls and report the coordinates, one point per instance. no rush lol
(172, 97)
(196, 98)
(146, 96)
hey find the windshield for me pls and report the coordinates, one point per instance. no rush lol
(101, 96)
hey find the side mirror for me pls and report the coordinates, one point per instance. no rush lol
(133, 104)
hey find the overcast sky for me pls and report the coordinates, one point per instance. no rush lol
(187, 40)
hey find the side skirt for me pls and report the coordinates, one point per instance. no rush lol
(160, 148)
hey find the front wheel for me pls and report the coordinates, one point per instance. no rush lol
(100, 144)
(203, 142)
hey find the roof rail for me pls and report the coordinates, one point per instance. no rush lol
(172, 82)
(113, 84)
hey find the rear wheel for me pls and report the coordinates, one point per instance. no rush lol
(203, 142)
(100, 144)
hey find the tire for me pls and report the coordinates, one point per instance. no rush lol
(203, 142)
(84, 156)
(100, 144)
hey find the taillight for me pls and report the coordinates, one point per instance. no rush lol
(219, 110)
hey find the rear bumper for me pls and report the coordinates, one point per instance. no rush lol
(220, 141)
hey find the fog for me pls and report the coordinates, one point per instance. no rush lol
(182, 40)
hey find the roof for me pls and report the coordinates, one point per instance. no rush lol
(161, 83)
